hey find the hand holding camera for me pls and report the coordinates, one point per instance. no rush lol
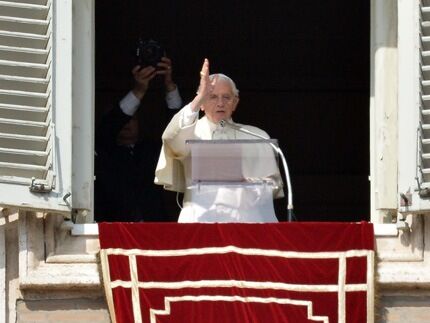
(151, 60)
(142, 77)
(165, 68)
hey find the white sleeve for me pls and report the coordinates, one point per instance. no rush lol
(188, 116)
(129, 104)
(173, 99)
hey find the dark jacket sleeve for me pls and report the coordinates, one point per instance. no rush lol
(109, 128)
(105, 202)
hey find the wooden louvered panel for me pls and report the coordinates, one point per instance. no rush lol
(25, 90)
(46, 89)
(424, 129)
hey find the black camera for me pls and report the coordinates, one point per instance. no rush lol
(149, 52)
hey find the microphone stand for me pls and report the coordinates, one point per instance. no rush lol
(278, 150)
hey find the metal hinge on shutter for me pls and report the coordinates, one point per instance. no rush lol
(43, 186)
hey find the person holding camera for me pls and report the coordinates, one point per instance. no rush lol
(124, 162)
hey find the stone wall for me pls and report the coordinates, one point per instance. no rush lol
(404, 307)
(82, 310)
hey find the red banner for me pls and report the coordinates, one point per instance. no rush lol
(278, 272)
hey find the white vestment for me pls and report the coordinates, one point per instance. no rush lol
(215, 204)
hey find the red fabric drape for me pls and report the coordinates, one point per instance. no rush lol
(283, 272)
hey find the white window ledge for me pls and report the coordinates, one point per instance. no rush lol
(385, 230)
(91, 229)
(87, 229)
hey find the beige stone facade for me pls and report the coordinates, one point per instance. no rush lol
(50, 275)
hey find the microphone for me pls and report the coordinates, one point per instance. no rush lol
(224, 123)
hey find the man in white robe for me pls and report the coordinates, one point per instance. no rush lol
(218, 98)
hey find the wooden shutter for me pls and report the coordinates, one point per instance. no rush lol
(414, 106)
(35, 74)
(423, 132)
(26, 129)
(47, 105)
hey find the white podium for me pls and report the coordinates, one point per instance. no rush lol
(233, 180)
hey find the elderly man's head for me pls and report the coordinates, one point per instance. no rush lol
(223, 100)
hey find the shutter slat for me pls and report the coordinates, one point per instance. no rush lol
(22, 170)
(39, 2)
(24, 69)
(23, 98)
(23, 142)
(23, 40)
(425, 88)
(425, 101)
(426, 175)
(24, 10)
(17, 156)
(38, 56)
(425, 41)
(19, 127)
(25, 26)
(425, 55)
(19, 112)
(23, 84)
(425, 13)
(425, 116)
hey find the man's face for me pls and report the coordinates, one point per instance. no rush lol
(129, 134)
(221, 103)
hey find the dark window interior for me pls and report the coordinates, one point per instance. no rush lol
(302, 68)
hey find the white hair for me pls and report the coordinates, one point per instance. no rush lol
(224, 77)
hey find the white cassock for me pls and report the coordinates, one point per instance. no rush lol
(214, 203)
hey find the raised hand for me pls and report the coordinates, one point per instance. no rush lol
(206, 87)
